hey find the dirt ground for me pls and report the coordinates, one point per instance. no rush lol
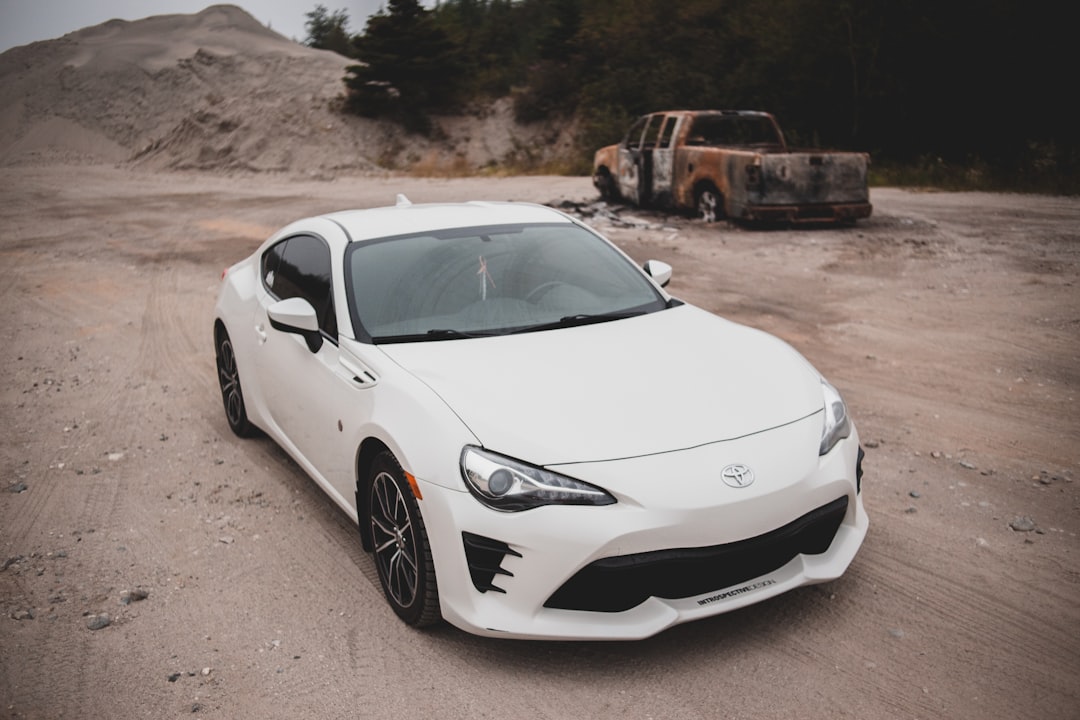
(950, 322)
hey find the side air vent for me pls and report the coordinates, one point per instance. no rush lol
(485, 557)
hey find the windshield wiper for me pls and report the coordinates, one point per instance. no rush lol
(581, 319)
(435, 334)
(448, 333)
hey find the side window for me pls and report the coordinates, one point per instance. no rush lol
(668, 131)
(270, 261)
(652, 131)
(633, 135)
(303, 270)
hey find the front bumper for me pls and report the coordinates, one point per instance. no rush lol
(514, 575)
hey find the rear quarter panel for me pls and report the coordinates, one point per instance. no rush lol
(811, 178)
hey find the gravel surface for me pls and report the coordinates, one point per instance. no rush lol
(161, 567)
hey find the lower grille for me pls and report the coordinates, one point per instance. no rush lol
(620, 583)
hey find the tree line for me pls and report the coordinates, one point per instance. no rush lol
(976, 87)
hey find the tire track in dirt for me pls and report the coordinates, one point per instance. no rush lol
(984, 632)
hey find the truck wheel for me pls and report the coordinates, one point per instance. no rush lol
(606, 185)
(710, 204)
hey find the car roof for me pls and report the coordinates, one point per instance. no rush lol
(406, 218)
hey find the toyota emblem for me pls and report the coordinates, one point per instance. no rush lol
(737, 476)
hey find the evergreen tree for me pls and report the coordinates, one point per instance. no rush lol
(328, 30)
(410, 68)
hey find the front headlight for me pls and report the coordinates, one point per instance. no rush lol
(512, 486)
(836, 426)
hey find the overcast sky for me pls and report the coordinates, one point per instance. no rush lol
(24, 21)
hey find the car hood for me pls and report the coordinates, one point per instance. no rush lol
(666, 381)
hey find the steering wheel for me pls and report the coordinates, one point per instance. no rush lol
(542, 289)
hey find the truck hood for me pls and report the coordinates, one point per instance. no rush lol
(670, 380)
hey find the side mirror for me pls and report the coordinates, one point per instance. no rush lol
(296, 316)
(658, 271)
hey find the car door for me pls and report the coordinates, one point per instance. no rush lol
(663, 160)
(636, 160)
(309, 394)
(630, 161)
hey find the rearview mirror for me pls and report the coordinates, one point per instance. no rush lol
(658, 271)
(296, 316)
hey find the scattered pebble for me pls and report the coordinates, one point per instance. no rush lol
(896, 633)
(967, 465)
(911, 510)
(174, 677)
(19, 487)
(97, 622)
(915, 494)
(129, 596)
(27, 614)
(1022, 524)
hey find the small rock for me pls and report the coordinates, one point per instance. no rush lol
(896, 633)
(129, 596)
(915, 494)
(936, 455)
(97, 622)
(872, 444)
(981, 542)
(174, 677)
(10, 561)
(1022, 524)
(911, 510)
(967, 465)
(206, 671)
(19, 487)
(196, 707)
(23, 615)
(227, 539)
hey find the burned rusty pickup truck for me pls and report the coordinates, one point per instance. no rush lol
(734, 164)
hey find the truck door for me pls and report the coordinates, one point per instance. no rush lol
(663, 160)
(630, 160)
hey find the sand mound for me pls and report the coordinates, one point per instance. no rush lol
(218, 91)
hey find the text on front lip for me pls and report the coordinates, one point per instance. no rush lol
(736, 591)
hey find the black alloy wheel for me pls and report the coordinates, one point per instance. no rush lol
(229, 379)
(402, 552)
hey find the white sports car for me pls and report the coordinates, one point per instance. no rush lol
(536, 440)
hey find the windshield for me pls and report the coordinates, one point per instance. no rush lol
(484, 281)
(733, 130)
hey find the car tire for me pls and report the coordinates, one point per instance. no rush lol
(605, 183)
(232, 395)
(709, 204)
(401, 550)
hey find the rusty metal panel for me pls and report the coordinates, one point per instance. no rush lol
(811, 178)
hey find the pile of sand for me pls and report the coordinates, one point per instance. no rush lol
(219, 91)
